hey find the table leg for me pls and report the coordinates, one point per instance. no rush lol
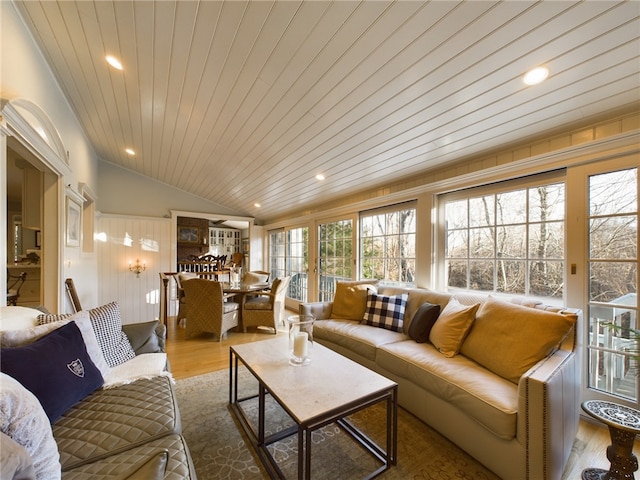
(307, 453)
(620, 454)
(261, 402)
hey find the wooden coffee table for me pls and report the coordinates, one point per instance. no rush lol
(326, 391)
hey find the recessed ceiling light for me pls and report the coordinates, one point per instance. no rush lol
(257, 205)
(130, 151)
(114, 62)
(536, 76)
(319, 177)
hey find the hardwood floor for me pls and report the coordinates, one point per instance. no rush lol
(202, 354)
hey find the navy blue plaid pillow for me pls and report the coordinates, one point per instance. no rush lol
(385, 311)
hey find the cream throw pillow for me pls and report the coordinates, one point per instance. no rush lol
(350, 300)
(509, 339)
(452, 327)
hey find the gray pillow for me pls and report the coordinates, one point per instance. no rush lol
(142, 337)
(423, 320)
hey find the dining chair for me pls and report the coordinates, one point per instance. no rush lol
(236, 259)
(14, 284)
(265, 309)
(255, 276)
(208, 312)
(180, 278)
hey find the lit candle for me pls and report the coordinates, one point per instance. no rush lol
(300, 344)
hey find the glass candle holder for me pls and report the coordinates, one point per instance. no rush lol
(300, 339)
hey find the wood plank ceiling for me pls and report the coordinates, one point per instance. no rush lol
(245, 102)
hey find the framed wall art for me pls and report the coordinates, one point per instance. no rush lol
(74, 217)
(188, 234)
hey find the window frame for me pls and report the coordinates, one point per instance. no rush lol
(505, 186)
(389, 209)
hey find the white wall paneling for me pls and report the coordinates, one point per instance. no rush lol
(124, 239)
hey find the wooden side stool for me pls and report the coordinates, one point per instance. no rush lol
(624, 424)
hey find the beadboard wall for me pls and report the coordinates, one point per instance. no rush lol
(122, 239)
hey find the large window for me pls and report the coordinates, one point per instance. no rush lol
(388, 244)
(507, 238)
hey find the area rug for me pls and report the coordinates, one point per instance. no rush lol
(220, 449)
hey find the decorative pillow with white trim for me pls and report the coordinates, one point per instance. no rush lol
(84, 324)
(385, 311)
(56, 368)
(107, 325)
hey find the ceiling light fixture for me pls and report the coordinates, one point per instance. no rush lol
(257, 205)
(114, 62)
(536, 76)
(130, 151)
(319, 177)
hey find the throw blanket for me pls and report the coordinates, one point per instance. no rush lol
(24, 421)
(147, 365)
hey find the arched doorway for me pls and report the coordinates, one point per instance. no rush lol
(27, 130)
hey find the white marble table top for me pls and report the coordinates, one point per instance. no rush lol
(329, 382)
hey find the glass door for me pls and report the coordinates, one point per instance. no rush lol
(612, 280)
(336, 256)
(297, 263)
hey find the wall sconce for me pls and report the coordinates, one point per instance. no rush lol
(137, 267)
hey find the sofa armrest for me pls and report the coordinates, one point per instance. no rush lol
(548, 413)
(319, 310)
(147, 337)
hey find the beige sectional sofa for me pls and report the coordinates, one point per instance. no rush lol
(503, 384)
(127, 428)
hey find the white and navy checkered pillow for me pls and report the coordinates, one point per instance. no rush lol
(107, 325)
(385, 311)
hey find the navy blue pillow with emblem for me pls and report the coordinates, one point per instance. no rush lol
(56, 368)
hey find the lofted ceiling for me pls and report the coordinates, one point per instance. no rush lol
(245, 102)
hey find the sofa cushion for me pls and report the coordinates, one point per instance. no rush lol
(123, 464)
(481, 394)
(509, 339)
(452, 326)
(24, 421)
(417, 297)
(385, 311)
(361, 339)
(107, 326)
(423, 322)
(56, 368)
(350, 299)
(152, 468)
(113, 420)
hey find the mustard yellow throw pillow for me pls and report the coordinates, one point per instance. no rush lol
(509, 339)
(350, 300)
(452, 326)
